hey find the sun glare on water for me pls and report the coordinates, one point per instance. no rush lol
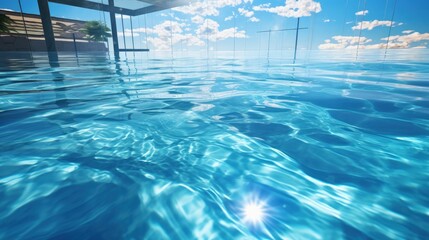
(254, 211)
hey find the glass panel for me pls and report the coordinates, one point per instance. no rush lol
(131, 4)
(126, 4)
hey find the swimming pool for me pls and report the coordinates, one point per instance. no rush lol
(192, 148)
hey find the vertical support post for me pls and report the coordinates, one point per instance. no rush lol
(132, 32)
(390, 30)
(132, 37)
(105, 23)
(48, 31)
(123, 32)
(360, 31)
(296, 41)
(75, 45)
(114, 29)
(123, 35)
(25, 28)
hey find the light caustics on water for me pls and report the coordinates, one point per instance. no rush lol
(215, 149)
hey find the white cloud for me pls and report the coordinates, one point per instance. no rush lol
(407, 31)
(407, 39)
(327, 20)
(166, 28)
(166, 33)
(246, 12)
(369, 25)
(163, 43)
(397, 41)
(420, 47)
(208, 8)
(254, 19)
(230, 33)
(171, 32)
(343, 42)
(265, 5)
(362, 13)
(380, 46)
(292, 8)
(210, 28)
(350, 42)
(197, 19)
(229, 18)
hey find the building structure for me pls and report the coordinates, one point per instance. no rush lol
(27, 34)
(128, 7)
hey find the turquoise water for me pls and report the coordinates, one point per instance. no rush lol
(193, 148)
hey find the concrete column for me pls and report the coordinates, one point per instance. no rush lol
(114, 29)
(48, 31)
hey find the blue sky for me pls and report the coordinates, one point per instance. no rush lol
(213, 24)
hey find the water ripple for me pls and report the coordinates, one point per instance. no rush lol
(155, 149)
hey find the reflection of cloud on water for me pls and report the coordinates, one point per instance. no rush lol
(406, 76)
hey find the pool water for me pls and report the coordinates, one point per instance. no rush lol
(193, 148)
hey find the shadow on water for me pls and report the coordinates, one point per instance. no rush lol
(15, 61)
(28, 67)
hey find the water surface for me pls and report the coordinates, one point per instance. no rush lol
(219, 148)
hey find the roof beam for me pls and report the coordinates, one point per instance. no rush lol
(155, 2)
(94, 6)
(159, 6)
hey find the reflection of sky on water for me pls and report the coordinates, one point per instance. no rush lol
(217, 149)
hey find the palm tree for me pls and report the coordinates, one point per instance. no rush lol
(96, 31)
(5, 23)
